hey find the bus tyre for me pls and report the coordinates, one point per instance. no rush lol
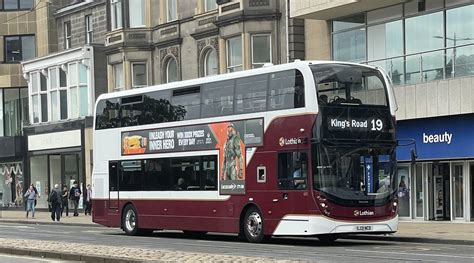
(253, 225)
(130, 220)
(327, 238)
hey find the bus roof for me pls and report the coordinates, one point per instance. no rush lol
(222, 77)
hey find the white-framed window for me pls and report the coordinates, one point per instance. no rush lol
(67, 35)
(54, 93)
(116, 15)
(136, 9)
(261, 50)
(89, 29)
(209, 63)
(78, 90)
(34, 96)
(39, 97)
(139, 75)
(171, 70)
(234, 54)
(63, 97)
(118, 76)
(209, 5)
(171, 10)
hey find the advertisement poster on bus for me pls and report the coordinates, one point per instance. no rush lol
(230, 138)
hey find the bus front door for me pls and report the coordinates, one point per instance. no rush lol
(114, 192)
(292, 196)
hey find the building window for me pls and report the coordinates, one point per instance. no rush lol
(210, 5)
(89, 29)
(63, 115)
(14, 104)
(171, 10)
(18, 4)
(261, 50)
(54, 94)
(210, 66)
(234, 54)
(171, 70)
(39, 97)
(139, 75)
(118, 76)
(116, 14)
(67, 35)
(136, 8)
(18, 48)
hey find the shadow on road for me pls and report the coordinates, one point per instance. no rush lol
(284, 241)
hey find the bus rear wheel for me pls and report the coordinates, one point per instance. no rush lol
(252, 226)
(130, 222)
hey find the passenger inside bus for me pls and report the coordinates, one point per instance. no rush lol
(180, 184)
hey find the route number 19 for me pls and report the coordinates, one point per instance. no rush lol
(377, 125)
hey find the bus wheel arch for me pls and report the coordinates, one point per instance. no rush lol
(251, 213)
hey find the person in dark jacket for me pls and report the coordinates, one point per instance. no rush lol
(88, 200)
(75, 195)
(55, 200)
(65, 201)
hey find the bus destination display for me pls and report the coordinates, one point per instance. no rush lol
(341, 124)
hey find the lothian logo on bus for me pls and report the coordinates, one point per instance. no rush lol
(363, 213)
(291, 141)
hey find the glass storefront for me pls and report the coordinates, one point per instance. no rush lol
(48, 170)
(11, 184)
(404, 191)
(39, 178)
(440, 191)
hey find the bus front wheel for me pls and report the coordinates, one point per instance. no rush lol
(130, 220)
(253, 225)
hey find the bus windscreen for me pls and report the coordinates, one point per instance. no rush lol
(349, 84)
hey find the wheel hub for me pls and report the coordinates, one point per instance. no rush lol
(130, 220)
(254, 224)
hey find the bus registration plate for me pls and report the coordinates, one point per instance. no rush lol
(363, 228)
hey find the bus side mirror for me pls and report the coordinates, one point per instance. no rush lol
(413, 156)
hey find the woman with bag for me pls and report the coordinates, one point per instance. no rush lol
(30, 196)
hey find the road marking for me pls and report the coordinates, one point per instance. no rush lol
(414, 254)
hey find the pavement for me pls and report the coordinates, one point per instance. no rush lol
(440, 234)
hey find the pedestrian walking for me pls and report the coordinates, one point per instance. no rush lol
(65, 201)
(31, 196)
(55, 201)
(88, 200)
(75, 195)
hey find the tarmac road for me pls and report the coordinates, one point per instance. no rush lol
(307, 249)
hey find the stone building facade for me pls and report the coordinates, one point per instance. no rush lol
(62, 89)
(167, 40)
(26, 32)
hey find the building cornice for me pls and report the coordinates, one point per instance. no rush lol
(169, 42)
(122, 48)
(247, 15)
(205, 33)
(68, 10)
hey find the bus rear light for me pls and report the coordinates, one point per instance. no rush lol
(395, 204)
(323, 205)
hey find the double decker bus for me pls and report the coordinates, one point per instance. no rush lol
(300, 149)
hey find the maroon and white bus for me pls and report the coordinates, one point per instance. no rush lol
(300, 149)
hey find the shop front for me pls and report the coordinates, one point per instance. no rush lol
(440, 185)
(11, 171)
(57, 158)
